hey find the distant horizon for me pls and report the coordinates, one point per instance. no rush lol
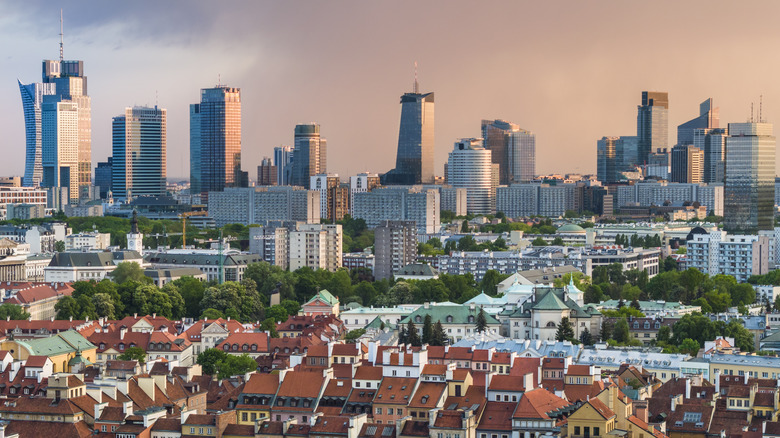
(345, 65)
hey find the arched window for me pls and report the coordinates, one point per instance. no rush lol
(550, 324)
(227, 347)
(449, 318)
(418, 319)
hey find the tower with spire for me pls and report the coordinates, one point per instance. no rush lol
(134, 238)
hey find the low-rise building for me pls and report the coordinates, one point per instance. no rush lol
(232, 262)
(68, 267)
(93, 240)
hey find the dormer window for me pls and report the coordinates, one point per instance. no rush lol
(418, 319)
(226, 347)
(449, 318)
(121, 347)
(471, 319)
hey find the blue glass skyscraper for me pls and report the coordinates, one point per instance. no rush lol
(32, 98)
(139, 153)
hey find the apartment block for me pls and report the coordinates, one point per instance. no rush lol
(395, 246)
(257, 205)
(317, 246)
(416, 204)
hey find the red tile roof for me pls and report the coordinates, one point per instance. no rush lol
(427, 395)
(366, 372)
(497, 416)
(459, 353)
(395, 390)
(435, 370)
(36, 361)
(601, 408)
(501, 382)
(538, 403)
(301, 384)
(237, 341)
(40, 292)
(262, 384)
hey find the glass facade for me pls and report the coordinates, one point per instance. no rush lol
(32, 98)
(283, 158)
(615, 155)
(220, 138)
(195, 159)
(309, 155)
(713, 143)
(103, 176)
(139, 153)
(652, 124)
(414, 159)
(513, 149)
(749, 193)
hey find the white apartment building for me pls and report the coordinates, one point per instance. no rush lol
(738, 255)
(470, 167)
(94, 240)
(519, 200)
(257, 205)
(656, 193)
(361, 183)
(411, 204)
(317, 246)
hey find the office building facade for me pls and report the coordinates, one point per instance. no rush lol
(522, 200)
(657, 193)
(266, 173)
(258, 205)
(60, 144)
(615, 155)
(103, 177)
(512, 148)
(708, 119)
(712, 142)
(652, 123)
(421, 205)
(283, 157)
(395, 246)
(470, 167)
(310, 154)
(687, 164)
(414, 159)
(750, 177)
(32, 100)
(218, 141)
(139, 159)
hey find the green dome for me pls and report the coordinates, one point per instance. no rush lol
(571, 228)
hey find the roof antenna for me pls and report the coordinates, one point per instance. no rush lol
(751, 112)
(416, 84)
(61, 51)
(219, 80)
(761, 108)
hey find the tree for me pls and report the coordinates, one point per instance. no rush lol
(565, 332)
(134, 353)
(464, 227)
(353, 335)
(235, 365)
(277, 312)
(481, 322)
(539, 242)
(586, 338)
(664, 334)
(558, 241)
(366, 291)
(438, 338)
(427, 331)
(67, 308)
(125, 271)
(104, 305)
(413, 337)
(59, 246)
(635, 304)
(490, 281)
(606, 330)
(689, 346)
(191, 290)
(621, 334)
(209, 359)
(14, 312)
(269, 325)
(212, 314)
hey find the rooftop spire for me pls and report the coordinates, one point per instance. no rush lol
(416, 84)
(62, 57)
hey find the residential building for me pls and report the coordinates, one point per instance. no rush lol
(631, 258)
(414, 159)
(687, 164)
(317, 246)
(139, 160)
(233, 263)
(395, 246)
(266, 173)
(24, 211)
(310, 154)
(731, 254)
(470, 167)
(93, 240)
(652, 123)
(664, 366)
(333, 198)
(522, 200)
(218, 144)
(458, 320)
(22, 195)
(413, 204)
(750, 171)
(659, 192)
(85, 266)
(271, 243)
(454, 200)
(39, 299)
(512, 148)
(361, 183)
(258, 205)
(283, 158)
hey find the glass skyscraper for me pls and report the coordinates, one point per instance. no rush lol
(712, 141)
(414, 159)
(32, 99)
(708, 118)
(309, 156)
(652, 124)
(139, 153)
(283, 158)
(195, 159)
(749, 193)
(615, 155)
(470, 167)
(219, 141)
(513, 149)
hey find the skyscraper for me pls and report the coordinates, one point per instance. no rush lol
(219, 117)
(139, 153)
(712, 141)
(470, 167)
(652, 123)
(195, 158)
(687, 164)
(615, 155)
(266, 173)
(32, 99)
(310, 154)
(414, 159)
(708, 118)
(512, 148)
(283, 157)
(749, 193)
(103, 176)
(60, 145)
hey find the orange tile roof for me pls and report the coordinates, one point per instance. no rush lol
(427, 395)
(345, 350)
(601, 408)
(262, 384)
(538, 403)
(258, 339)
(497, 416)
(301, 384)
(501, 382)
(578, 370)
(366, 372)
(395, 390)
(434, 370)
(448, 419)
(36, 361)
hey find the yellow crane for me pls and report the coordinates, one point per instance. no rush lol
(184, 217)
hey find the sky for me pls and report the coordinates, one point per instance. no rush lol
(569, 71)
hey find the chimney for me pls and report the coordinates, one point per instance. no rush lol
(122, 332)
(98, 410)
(127, 408)
(147, 385)
(688, 388)
(717, 382)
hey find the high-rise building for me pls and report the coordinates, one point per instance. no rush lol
(60, 144)
(418, 204)
(470, 167)
(310, 154)
(615, 155)
(652, 123)
(283, 157)
(266, 173)
(749, 194)
(32, 99)
(323, 184)
(71, 86)
(657, 165)
(361, 183)
(395, 246)
(195, 147)
(317, 246)
(139, 153)
(414, 159)
(708, 118)
(103, 177)
(512, 148)
(258, 205)
(687, 164)
(712, 142)
(219, 117)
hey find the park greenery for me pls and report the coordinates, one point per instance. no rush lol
(215, 361)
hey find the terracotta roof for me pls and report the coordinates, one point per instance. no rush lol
(121, 365)
(239, 430)
(538, 403)
(435, 370)
(239, 340)
(298, 430)
(526, 365)
(553, 363)
(376, 430)
(415, 428)
(338, 388)
(738, 391)
(345, 350)
(427, 395)
(271, 428)
(112, 414)
(262, 384)
(38, 405)
(40, 292)
(506, 383)
(166, 424)
(459, 353)
(578, 370)
(460, 374)
(201, 419)
(301, 384)
(481, 355)
(501, 358)
(764, 399)
(576, 392)
(475, 395)
(435, 352)
(601, 408)
(395, 390)
(729, 422)
(44, 428)
(449, 419)
(366, 372)
(36, 361)
(342, 370)
(497, 416)
(331, 425)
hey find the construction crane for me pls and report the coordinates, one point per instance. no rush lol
(184, 217)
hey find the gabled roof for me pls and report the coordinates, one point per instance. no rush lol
(601, 408)
(439, 312)
(538, 404)
(301, 384)
(395, 390)
(324, 296)
(427, 395)
(497, 416)
(262, 384)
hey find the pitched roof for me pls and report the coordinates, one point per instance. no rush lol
(301, 384)
(258, 339)
(324, 296)
(539, 403)
(439, 312)
(262, 384)
(502, 382)
(601, 408)
(497, 416)
(395, 390)
(427, 395)
(36, 361)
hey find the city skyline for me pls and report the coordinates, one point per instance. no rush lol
(160, 65)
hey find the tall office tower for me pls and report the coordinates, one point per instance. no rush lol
(414, 159)
(283, 158)
(687, 164)
(323, 183)
(32, 99)
(310, 154)
(103, 177)
(139, 153)
(60, 145)
(615, 155)
(361, 183)
(708, 119)
(749, 193)
(266, 173)
(470, 166)
(195, 159)
(512, 148)
(71, 86)
(652, 123)
(712, 141)
(395, 247)
(219, 117)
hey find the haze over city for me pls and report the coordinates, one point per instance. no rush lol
(345, 64)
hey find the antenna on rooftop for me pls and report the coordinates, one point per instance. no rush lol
(416, 84)
(219, 79)
(61, 38)
(761, 108)
(751, 112)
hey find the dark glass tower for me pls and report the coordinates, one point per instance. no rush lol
(652, 124)
(139, 153)
(414, 160)
(219, 117)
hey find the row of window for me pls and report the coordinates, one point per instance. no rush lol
(390, 411)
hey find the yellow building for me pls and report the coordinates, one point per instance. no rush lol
(592, 419)
(69, 351)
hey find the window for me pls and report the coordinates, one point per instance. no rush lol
(596, 431)
(576, 430)
(378, 411)
(389, 411)
(400, 411)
